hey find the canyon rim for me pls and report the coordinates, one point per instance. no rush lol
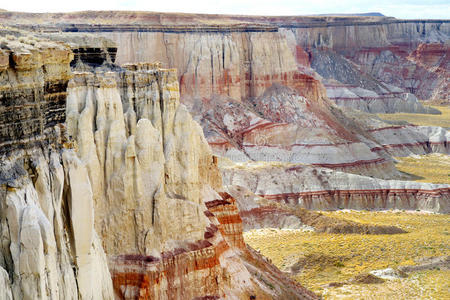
(138, 149)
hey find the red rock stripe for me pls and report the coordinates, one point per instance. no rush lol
(406, 145)
(434, 193)
(386, 128)
(351, 164)
(260, 125)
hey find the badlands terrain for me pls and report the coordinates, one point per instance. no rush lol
(184, 156)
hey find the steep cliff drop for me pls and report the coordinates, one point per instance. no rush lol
(263, 87)
(127, 182)
(49, 247)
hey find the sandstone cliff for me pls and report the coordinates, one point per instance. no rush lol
(49, 247)
(233, 50)
(129, 164)
(153, 173)
(235, 64)
(109, 175)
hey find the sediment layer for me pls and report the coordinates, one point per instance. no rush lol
(319, 188)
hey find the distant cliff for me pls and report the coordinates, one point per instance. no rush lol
(228, 64)
(232, 51)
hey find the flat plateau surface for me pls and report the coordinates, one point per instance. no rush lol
(434, 167)
(442, 120)
(322, 258)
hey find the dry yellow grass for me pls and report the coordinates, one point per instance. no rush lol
(442, 120)
(434, 168)
(339, 257)
(429, 284)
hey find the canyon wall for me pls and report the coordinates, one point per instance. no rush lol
(109, 188)
(119, 197)
(409, 54)
(234, 71)
(153, 173)
(384, 49)
(325, 189)
(49, 247)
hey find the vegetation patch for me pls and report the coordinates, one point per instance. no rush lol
(331, 224)
(434, 168)
(442, 120)
(322, 258)
(367, 279)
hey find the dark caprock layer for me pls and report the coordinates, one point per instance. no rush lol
(25, 113)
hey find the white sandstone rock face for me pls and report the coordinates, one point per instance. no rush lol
(387, 139)
(5, 285)
(388, 273)
(132, 131)
(212, 63)
(389, 100)
(49, 244)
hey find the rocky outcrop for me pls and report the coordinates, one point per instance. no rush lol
(390, 51)
(389, 100)
(145, 138)
(408, 54)
(33, 85)
(89, 51)
(435, 59)
(349, 87)
(237, 65)
(402, 139)
(49, 248)
(421, 71)
(379, 45)
(320, 188)
(128, 190)
(281, 125)
(257, 212)
(130, 127)
(123, 159)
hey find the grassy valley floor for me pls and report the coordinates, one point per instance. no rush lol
(442, 120)
(434, 167)
(317, 259)
(322, 258)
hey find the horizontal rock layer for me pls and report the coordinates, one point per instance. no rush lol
(49, 247)
(368, 40)
(220, 70)
(153, 173)
(33, 84)
(318, 188)
(141, 174)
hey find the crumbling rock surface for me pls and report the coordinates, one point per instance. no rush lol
(129, 180)
(257, 93)
(161, 182)
(260, 212)
(283, 126)
(33, 84)
(250, 51)
(257, 212)
(49, 248)
(350, 87)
